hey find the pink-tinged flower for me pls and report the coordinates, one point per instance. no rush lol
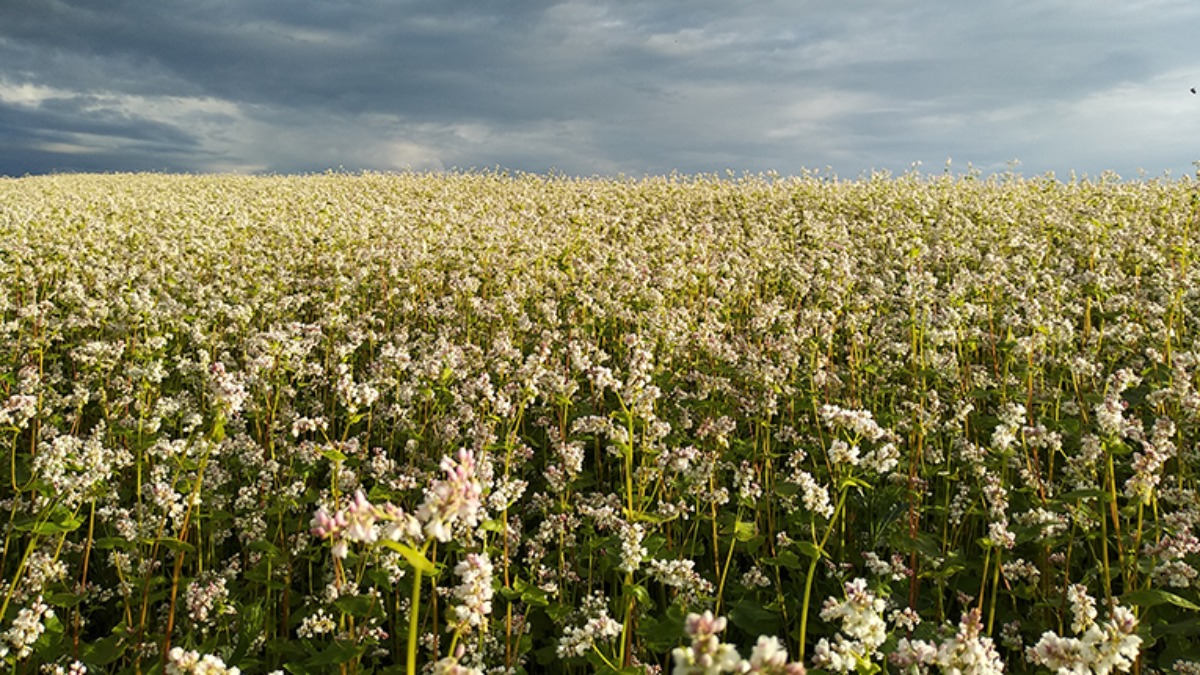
(913, 655)
(704, 625)
(707, 655)
(457, 498)
(361, 516)
(324, 525)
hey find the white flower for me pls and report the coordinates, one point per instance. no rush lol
(457, 498)
(770, 658)
(474, 593)
(1083, 607)
(632, 551)
(25, 630)
(814, 495)
(182, 662)
(1101, 649)
(860, 614)
(968, 652)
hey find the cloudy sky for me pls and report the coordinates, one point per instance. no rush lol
(600, 87)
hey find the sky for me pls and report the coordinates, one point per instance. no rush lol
(601, 87)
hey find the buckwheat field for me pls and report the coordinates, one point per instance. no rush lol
(488, 423)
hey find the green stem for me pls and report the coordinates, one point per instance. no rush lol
(995, 592)
(812, 568)
(627, 623)
(737, 520)
(413, 623)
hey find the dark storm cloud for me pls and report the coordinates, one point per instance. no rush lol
(588, 86)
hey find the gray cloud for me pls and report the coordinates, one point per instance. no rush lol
(592, 86)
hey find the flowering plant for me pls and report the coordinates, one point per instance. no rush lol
(484, 423)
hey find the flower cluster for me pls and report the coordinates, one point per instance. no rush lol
(473, 593)
(598, 626)
(863, 629)
(457, 498)
(25, 630)
(184, 662)
(1101, 648)
(966, 652)
(707, 655)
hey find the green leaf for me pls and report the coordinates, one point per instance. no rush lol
(172, 543)
(333, 455)
(785, 559)
(265, 546)
(414, 557)
(662, 634)
(785, 488)
(64, 599)
(1149, 597)
(754, 619)
(745, 531)
(337, 653)
(115, 542)
(640, 593)
(528, 593)
(1189, 627)
(60, 521)
(218, 429)
(559, 611)
(297, 669)
(810, 549)
(639, 516)
(852, 481)
(354, 605)
(100, 653)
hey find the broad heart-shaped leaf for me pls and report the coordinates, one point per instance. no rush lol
(414, 557)
(752, 618)
(355, 605)
(786, 558)
(494, 525)
(1189, 627)
(745, 531)
(336, 654)
(528, 593)
(61, 520)
(171, 543)
(1149, 597)
(653, 518)
(102, 652)
(810, 549)
(64, 599)
(662, 635)
(639, 593)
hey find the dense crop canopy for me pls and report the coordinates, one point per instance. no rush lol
(365, 423)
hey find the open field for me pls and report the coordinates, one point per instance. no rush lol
(365, 423)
